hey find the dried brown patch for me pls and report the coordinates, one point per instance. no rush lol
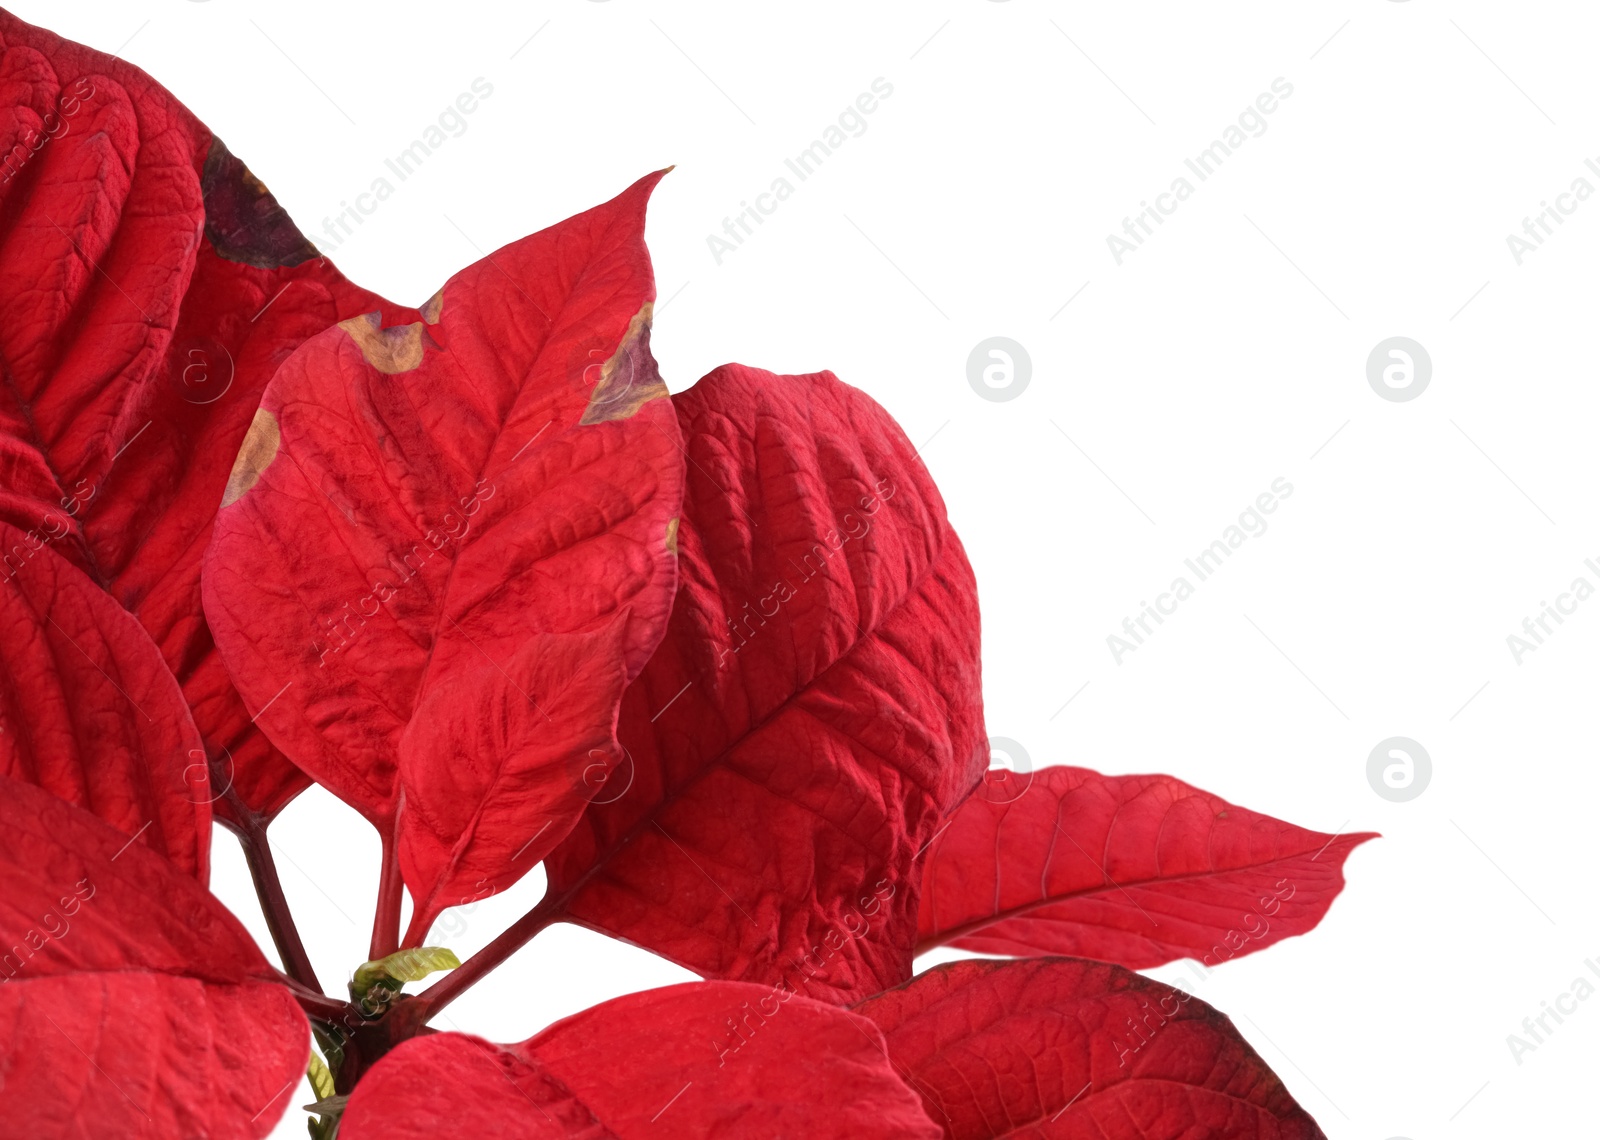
(629, 379)
(389, 350)
(672, 536)
(433, 308)
(259, 449)
(244, 222)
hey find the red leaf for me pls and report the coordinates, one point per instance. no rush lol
(813, 712)
(1137, 870)
(151, 286)
(1062, 1048)
(449, 540)
(722, 1060)
(131, 1001)
(89, 712)
(118, 1054)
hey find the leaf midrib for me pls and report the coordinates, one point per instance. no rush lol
(976, 925)
(560, 908)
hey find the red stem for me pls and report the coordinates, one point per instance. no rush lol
(320, 1005)
(432, 1000)
(251, 829)
(552, 908)
(386, 921)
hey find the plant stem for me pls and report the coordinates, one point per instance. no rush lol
(432, 1000)
(320, 1005)
(550, 909)
(386, 921)
(252, 832)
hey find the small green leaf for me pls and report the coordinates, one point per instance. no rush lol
(376, 981)
(406, 966)
(321, 1078)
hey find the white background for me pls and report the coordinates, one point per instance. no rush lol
(1174, 388)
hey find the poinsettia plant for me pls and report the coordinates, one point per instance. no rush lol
(710, 659)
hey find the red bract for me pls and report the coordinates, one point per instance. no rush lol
(446, 546)
(714, 659)
(812, 713)
(132, 1002)
(91, 713)
(706, 1059)
(151, 286)
(1061, 1048)
(1137, 870)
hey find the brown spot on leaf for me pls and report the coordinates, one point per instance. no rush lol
(390, 350)
(244, 222)
(630, 379)
(259, 449)
(433, 308)
(672, 536)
